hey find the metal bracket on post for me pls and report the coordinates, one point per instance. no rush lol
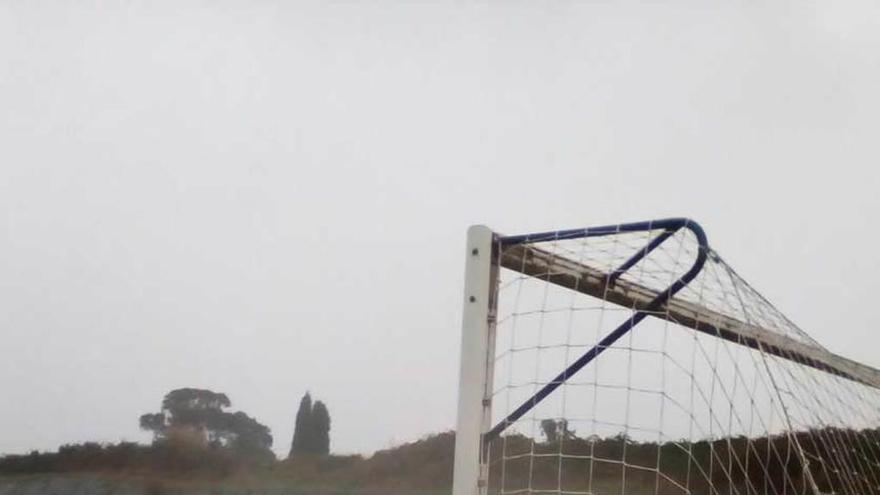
(477, 354)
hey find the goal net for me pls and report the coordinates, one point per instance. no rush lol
(632, 359)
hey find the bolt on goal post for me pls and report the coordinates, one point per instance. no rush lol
(631, 358)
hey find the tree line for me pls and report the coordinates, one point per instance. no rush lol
(202, 418)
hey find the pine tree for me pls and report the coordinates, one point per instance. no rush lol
(303, 430)
(321, 429)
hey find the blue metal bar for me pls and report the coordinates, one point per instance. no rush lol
(605, 230)
(668, 224)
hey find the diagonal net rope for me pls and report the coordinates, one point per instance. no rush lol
(715, 392)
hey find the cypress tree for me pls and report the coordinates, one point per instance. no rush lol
(302, 432)
(321, 429)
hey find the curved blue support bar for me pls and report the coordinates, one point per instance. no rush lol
(623, 228)
(670, 226)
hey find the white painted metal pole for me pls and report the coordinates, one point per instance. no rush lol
(474, 390)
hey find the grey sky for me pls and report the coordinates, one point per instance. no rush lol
(267, 197)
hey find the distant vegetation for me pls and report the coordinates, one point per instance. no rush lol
(194, 432)
(763, 465)
(311, 435)
(422, 467)
(198, 417)
(196, 440)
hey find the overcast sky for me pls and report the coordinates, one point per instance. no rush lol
(264, 198)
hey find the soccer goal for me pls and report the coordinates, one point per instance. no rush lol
(631, 359)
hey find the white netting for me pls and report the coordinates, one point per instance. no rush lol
(667, 408)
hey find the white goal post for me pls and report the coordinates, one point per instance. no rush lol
(632, 359)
